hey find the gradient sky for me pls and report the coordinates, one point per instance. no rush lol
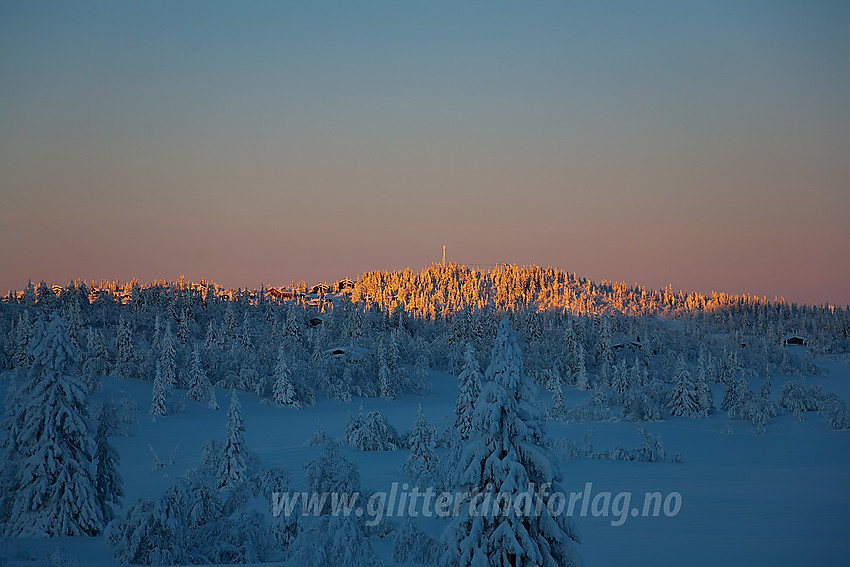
(700, 144)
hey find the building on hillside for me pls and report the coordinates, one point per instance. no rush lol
(791, 340)
(320, 289)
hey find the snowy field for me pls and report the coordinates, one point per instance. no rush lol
(782, 498)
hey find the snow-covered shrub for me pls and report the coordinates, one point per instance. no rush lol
(333, 541)
(834, 409)
(372, 433)
(647, 403)
(412, 545)
(189, 524)
(794, 399)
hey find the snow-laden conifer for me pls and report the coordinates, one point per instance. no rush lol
(159, 394)
(422, 464)
(55, 448)
(508, 458)
(108, 480)
(412, 545)
(233, 467)
(284, 390)
(684, 399)
(168, 360)
(125, 353)
(469, 387)
(200, 388)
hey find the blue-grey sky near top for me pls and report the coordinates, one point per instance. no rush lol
(700, 144)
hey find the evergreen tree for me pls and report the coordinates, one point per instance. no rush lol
(156, 340)
(284, 389)
(200, 387)
(604, 351)
(168, 360)
(580, 374)
(421, 369)
(421, 464)
(376, 434)
(211, 338)
(386, 385)
(508, 456)
(159, 394)
(55, 494)
(558, 410)
(741, 398)
(468, 391)
(125, 354)
(108, 481)
(183, 333)
(705, 397)
(331, 472)
(620, 383)
(684, 400)
(246, 338)
(233, 470)
(95, 364)
(333, 539)
(20, 359)
(412, 545)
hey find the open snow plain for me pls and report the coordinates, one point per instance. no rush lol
(782, 498)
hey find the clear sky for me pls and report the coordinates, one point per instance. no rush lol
(700, 144)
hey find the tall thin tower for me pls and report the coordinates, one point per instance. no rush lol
(444, 254)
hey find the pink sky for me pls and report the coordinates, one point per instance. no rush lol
(703, 147)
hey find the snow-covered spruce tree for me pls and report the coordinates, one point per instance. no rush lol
(183, 333)
(604, 351)
(580, 373)
(190, 524)
(159, 395)
(760, 409)
(386, 383)
(333, 539)
(469, 388)
(553, 384)
(508, 458)
(373, 433)
(125, 354)
(108, 481)
(168, 360)
(156, 340)
(421, 368)
(412, 545)
(95, 364)
(211, 338)
(200, 388)
(20, 358)
(233, 467)
(620, 383)
(55, 494)
(741, 398)
(684, 399)
(705, 397)
(729, 393)
(421, 465)
(284, 389)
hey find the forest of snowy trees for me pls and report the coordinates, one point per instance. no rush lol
(643, 355)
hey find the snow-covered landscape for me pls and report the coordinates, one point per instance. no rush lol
(182, 423)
